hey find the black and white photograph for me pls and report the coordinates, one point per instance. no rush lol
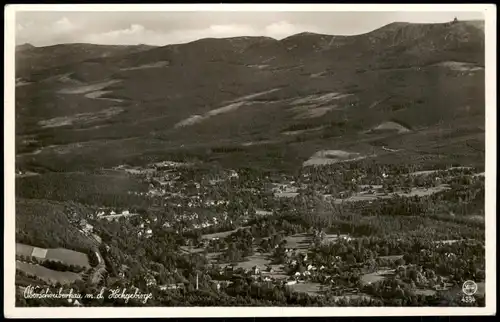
(204, 160)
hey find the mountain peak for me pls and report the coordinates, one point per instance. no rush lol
(305, 34)
(25, 46)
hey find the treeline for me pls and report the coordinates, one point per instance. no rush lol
(102, 190)
(52, 264)
(45, 224)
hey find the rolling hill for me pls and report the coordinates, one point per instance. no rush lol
(83, 106)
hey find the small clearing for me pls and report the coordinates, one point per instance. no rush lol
(260, 212)
(310, 288)
(425, 292)
(391, 258)
(297, 132)
(300, 242)
(311, 111)
(83, 89)
(286, 194)
(26, 174)
(97, 95)
(252, 143)
(258, 66)
(232, 106)
(261, 261)
(317, 75)
(319, 98)
(190, 121)
(332, 238)
(81, 118)
(390, 150)
(460, 66)
(255, 95)
(376, 276)
(21, 82)
(332, 156)
(390, 127)
(159, 64)
(222, 234)
(225, 109)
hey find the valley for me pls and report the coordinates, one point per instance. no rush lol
(314, 170)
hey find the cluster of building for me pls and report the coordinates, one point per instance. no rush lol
(110, 214)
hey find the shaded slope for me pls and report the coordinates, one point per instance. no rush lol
(423, 75)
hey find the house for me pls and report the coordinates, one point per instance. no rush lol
(150, 280)
(88, 229)
(170, 286)
(85, 226)
(75, 302)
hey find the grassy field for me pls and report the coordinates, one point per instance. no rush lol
(24, 250)
(221, 234)
(48, 275)
(67, 256)
(300, 242)
(376, 276)
(308, 287)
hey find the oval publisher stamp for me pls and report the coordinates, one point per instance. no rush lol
(469, 288)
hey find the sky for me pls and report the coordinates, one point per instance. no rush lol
(161, 28)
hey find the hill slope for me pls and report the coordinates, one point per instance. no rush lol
(97, 106)
(30, 58)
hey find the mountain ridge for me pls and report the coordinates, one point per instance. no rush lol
(477, 23)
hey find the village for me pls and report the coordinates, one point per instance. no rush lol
(241, 228)
(205, 207)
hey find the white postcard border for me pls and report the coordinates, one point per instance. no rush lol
(10, 310)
